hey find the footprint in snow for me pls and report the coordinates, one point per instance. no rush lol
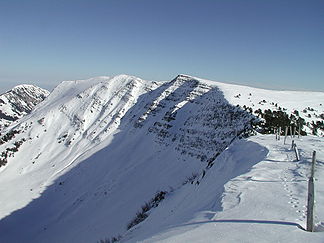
(302, 215)
(233, 197)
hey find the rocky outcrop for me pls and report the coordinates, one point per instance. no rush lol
(18, 102)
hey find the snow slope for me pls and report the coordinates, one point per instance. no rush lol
(19, 101)
(96, 150)
(133, 138)
(310, 105)
(255, 192)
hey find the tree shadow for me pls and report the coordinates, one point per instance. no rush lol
(276, 161)
(247, 221)
(272, 181)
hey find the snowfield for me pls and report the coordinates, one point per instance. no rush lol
(96, 152)
(256, 192)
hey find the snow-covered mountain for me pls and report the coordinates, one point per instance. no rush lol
(19, 101)
(99, 155)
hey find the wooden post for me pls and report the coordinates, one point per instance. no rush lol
(311, 197)
(298, 130)
(286, 133)
(276, 132)
(313, 163)
(310, 205)
(296, 152)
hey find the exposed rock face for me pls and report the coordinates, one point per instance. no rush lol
(194, 118)
(19, 101)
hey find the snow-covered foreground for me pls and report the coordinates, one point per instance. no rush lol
(255, 192)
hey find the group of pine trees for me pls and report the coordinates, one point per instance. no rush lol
(272, 119)
(279, 118)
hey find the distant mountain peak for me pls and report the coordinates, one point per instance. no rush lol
(24, 86)
(19, 101)
(183, 76)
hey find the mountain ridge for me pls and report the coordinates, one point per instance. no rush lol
(97, 150)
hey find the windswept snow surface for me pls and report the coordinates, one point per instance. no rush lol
(255, 192)
(96, 150)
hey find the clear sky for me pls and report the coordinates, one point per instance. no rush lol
(273, 44)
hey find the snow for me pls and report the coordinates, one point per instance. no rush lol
(96, 150)
(256, 192)
(19, 101)
(290, 100)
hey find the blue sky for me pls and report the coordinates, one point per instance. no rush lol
(273, 44)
